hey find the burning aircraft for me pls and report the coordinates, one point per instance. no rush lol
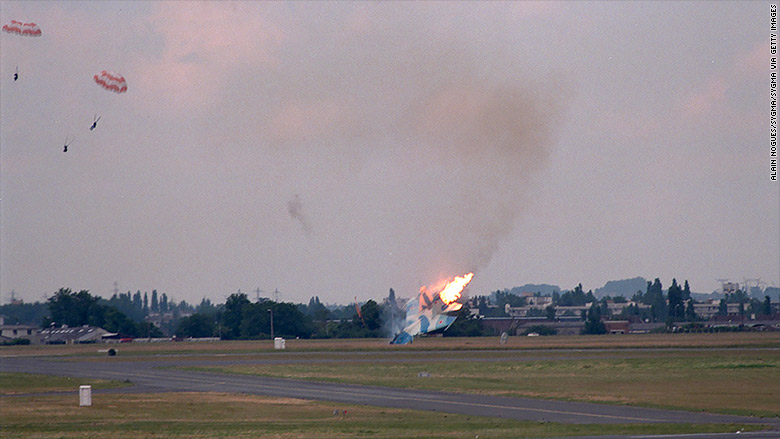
(432, 309)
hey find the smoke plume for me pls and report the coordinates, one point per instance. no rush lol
(295, 209)
(427, 144)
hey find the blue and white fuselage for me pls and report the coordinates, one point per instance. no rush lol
(426, 314)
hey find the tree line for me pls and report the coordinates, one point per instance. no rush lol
(240, 318)
(81, 308)
(237, 318)
(676, 305)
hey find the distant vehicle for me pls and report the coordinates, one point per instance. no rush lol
(533, 334)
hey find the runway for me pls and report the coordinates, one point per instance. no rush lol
(153, 374)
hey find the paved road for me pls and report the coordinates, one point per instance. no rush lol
(147, 376)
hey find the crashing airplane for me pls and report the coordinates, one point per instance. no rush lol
(431, 311)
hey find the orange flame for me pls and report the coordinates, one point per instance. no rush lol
(451, 291)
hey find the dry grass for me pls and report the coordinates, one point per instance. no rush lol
(20, 383)
(613, 369)
(733, 381)
(744, 339)
(218, 415)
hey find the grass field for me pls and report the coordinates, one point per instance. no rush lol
(713, 372)
(639, 341)
(740, 382)
(18, 383)
(218, 415)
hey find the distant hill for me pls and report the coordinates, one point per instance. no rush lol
(625, 288)
(703, 297)
(544, 289)
(628, 287)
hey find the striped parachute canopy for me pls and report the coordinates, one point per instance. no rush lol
(111, 81)
(23, 29)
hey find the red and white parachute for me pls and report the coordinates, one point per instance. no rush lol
(23, 29)
(111, 81)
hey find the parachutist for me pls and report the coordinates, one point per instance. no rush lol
(67, 144)
(16, 74)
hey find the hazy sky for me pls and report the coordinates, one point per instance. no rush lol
(341, 149)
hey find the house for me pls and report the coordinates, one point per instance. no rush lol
(541, 306)
(617, 326)
(159, 319)
(539, 302)
(519, 325)
(645, 328)
(80, 334)
(572, 311)
(561, 327)
(617, 308)
(28, 332)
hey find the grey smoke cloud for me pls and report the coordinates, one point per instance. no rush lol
(295, 209)
(458, 133)
(497, 135)
(412, 135)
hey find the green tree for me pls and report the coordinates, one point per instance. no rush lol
(655, 298)
(235, 306)
(289, 321)
(320, 315)
(604, 307)
(593, 323)
(196, 325)
(767, 308)
(576, 297)
(255, 321)
(116, 321)
(755, 306)
(371, 315)
(125, 303)
(676, 307)
(138, 305)
(69, 308)
(690, 311)
(77, 309)
(483, 305)
(466, 325)
(504, 297)
(25, 313)
(723, 308)
(206, 307)
(149, 330)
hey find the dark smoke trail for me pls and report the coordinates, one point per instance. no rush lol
(295, 209)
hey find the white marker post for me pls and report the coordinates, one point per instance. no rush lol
(85, 396)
